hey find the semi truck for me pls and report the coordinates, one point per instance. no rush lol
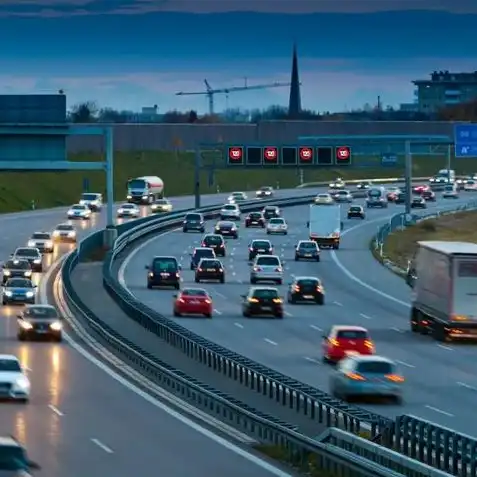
(145, 190)
(443, 276)
(325, 225)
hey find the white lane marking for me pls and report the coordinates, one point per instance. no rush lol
(366, 317)
(397, 329)
(440, 411)
(287, 313)
(316, 328)
(403, 363)
(448, 348)
(270, 342)
(239, 325)
(337, 303)
(217, 311)
(467, 386)
(55, 410)
(102, 446)
(220, 294)
(312, 360)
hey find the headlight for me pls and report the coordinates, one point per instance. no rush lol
(25, 325)
(31, 243)
(154, 207)
(26, 274)
(71, 234)
(7, 273)
(70, 212)
(30, 294)
(48, 244)
(8, 293)
(37, 261)
(57, 325)
(144, 197)
(56, 233)
(22, 382)
(129, 197)
(120, 211)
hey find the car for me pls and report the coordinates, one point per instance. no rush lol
(43, 241)
(271, 212)
(193, 221)
(216, 242)
(400, 198)
(255, 219)
(367, 376)
(262, 301)
(237, 197)
(79, 211)
(341, 340)
(338, 183)
(226, 228)
(198, 254)
(419, 189)
(163, 271)
(92, 200)
(230, 212)
(343, 196)
(450, 192)
(324, 199)
(429, 196)
(161, 205)
(16, 269)
(356, 212)
(14, 384)
(127, 211)
(64, 233)
(259, 247)
(306, 289)
(32, 254)
(470, 185)
(364, 185)
(418, 203)
(193, 301)
(210, 269)
(14, 461)
(265, 191)
(18, 291)
(39, 321)
(267, 268)
(392, 193)
(277, 226)
(307, 249)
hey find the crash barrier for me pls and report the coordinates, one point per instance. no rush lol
(354, 182)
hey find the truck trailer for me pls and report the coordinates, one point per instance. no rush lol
(443, 276)
(145, 190)
(325, 225)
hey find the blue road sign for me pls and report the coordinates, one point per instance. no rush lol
(389, 159)
(465, 137)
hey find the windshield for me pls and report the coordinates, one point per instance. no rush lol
(323, 196)
(65, 227)
(193, 217)
(12, 458)
(342, 192)
(26, 252)
(225, 224)
(40, 312)
(164, 264)
(89, 196)
(277, 221)
(449, 188)
(374, 193)
(355, 209)
(270, 209)
(211, 263)
(271, 261)
(41, 236)
(9, 365)
(128, 206)
(352, 334)
(213, 239)
(137, 184)
(255, 215)
(161, 202)
(261, 244)
(78, 207)
(230, 207)
(17, 265)
(237, 194)
(19, 283)
(268, 293)
(308, 282)
(308, 245)
(194, 292)
(375, 367)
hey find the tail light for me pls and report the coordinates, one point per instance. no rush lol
(319, 289)
(208, 301)
(251, 249)
(181, 300)
(203, 244)
(178, 274)
(271, 249)
(199, 270)
(369, 344)
(277, 300)
(278, 269)
(257, 269)
(296, 288)
(334, 342)
(253, 300)
(395, 378)
(221, 270)
(221, 245)
(355, 377)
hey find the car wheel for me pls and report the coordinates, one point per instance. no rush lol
(21, 337)
(279, 282)
(208, 315)
(268, 233)
(4, 302)
(398, 400)
(279, 316)
(253, 281)
(320, 300)
(247, 226)
(245, 314)
(336, 247)
(250, 258)
(222, 280)
(291, 300)
(24, 400)
(318, 258)
(149, 286)
(58, 339)
(296, 258)
(325, 359)
(197, 280)
(177, 314)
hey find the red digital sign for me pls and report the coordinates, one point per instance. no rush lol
(305, 155)
(270, 155)
(343, 155)
(235, 155)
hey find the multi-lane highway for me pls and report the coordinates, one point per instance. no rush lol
(79, 419)
(441, 382)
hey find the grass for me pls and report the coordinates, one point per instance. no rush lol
(19, 190)
(401, 246)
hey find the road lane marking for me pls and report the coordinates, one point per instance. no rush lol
(440, 411)
(55, 410)
(312, 360)
(217, 311)
(220, 294)
(448, 348)
(337, 303)
(238, 325)
(366, 317)
(287, 313)
(270, 342)
(467, 386)
(102, 446)
(316, 328)
(397, 329)
(403, 363)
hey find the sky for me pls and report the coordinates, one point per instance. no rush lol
(128, 54)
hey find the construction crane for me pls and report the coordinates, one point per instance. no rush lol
(210, 92)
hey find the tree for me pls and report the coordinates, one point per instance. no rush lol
(193, 116)
(110, 115)
(84, 112)
(175, 117)
(460, 112)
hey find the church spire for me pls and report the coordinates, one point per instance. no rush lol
(294, 105)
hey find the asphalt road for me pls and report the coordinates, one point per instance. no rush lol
(79, 419)
(437, 376)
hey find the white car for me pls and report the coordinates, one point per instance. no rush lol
(277, 226)
(43, 241)
(337, 184)
(237, 197)
(265, 191)
(64, 233)
(324, 199)
(93, 200)
(230, 212)
(79, 211)
(343, 196)
(470, 185)
(129, 211)
(14, 384)
(267, 268)
(450, 192)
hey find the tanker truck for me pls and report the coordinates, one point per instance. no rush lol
(145, 190)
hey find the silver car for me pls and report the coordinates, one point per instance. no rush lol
(129, 211)
(230, 212)
(43, 241)
(267, 268)
(343, 196)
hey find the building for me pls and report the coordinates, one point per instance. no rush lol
(445, 89)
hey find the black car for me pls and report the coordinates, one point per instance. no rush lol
(356, 211)
(429, 196)
(400, 198)
(164, 272)
(271, 212)
(16, 269)
(418, 203)
(306, 289)
(255, 219)
(226, 228)
(262, 301)
(32, 255)
(209, 269)
(198, 254)
(193, 221)
(39, 321)
(307, 249)
(14, 461)
(259, 247)
(216, 242)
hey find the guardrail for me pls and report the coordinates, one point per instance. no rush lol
(389, 180)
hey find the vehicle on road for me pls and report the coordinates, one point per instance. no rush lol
(14, 383)
(338, 183)
(210, 269)
(145, 190)
(277, 226)
(193, 301)
(226, 228)
(39, 322)
(267, 268)
(324, 199)
(262, 301)
(429, 196)
(265, 191)
(14, 461)
(230, 212)
(161, 206)
(18, 291)
(193, 221)
(255, 219)
(32, 255)
(163, 271)
(418, 202)
(376, 197)
(470, 185)
(325, 225)
(307, 250)
(216, 242)
(271, 212)
(64, 233)
(198, 254)
(259, 247)
(306, 289)
(400, 198)
(364, 185)
(92, 200)
(235, 197)
(356, 212)
(16, 269)
(79, 212)
(343, 196)
(342, 340)
(43, 241)
(420, 188)
(450, 192)
(128, 211)
(392, 193)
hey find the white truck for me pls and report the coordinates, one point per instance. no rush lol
(145, 190)
(325, 225)
(443, 276)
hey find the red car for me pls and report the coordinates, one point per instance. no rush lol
(193, 301)
(419, 189)
(344, 340)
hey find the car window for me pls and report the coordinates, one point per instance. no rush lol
(213, 239)
(230, 207)
(210, 263)
(164, 264)
(355, 209)
(261, 244)
(78, 207)
(194, 292)
(25, 252)
(17, 265)
(128, 206)
(378, 367)
(323, 196)
(277, 221)
(311, 245)
(352, 334)
(268, 261)
(19, 283)
(255, 215)
(270, 208)
(13, 458)
(204, 253)
(193, 217)
(41, 236)
(9, 365)
(40, 312)
(225, 224)
(65, 227)
(308, 281)
(267, 293)
(161, 202)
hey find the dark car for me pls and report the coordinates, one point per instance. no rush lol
(271, 212)
(400, 198)
(16, 269)
(307, 249)
(255, 219)
(306, 289)
(210, 269)
(418, 203)
(39, 321)
(198, 254)
(356, 211)
(193, 221)
(216, 242)
(259, 247)
(226, 228)
(32, 255)
(429, 196)
(14, 461)
(262, 301)
(164, 272)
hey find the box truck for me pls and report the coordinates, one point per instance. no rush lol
(325, 225)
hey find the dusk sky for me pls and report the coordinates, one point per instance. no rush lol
(132, 53)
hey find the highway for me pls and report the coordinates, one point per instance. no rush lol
(359, 292)
(80, 420)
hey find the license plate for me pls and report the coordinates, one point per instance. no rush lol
(267, 308)
(254, 222)
(210, 270)
(308, 297)
(194, 302)
(261, 251)
(307, 254)
(225, 231)
(164, 274)
(42, 331)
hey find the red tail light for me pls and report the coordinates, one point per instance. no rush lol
(221, 245)
(208, 301)
(181, 300)
(199, 269)
(251, 249)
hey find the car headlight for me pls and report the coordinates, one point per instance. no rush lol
(144, 197)
(27, 273)
(8, 293)
(25, 325)
(120, 211)
(129, 196)
(56, 326)
(49, 244)
(30, 294)
(22, 382)
(37, 261)
(72, 234)
(31, 243)
(7, 273)
(56, 233)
